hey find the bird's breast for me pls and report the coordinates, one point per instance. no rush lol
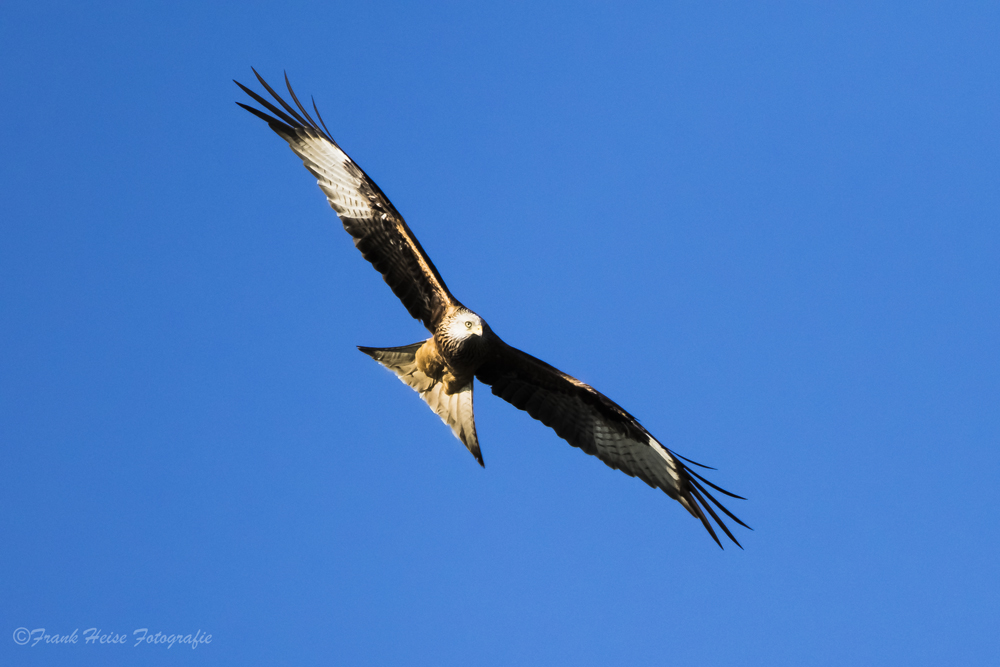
(429, 359)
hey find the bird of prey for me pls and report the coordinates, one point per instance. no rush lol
(462, 347)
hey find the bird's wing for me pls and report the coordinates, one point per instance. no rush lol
(379, 231)
(587, 419)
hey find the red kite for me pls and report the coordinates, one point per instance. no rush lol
(462, 347)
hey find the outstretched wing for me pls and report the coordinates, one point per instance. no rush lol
(587, 419)
(379, 231)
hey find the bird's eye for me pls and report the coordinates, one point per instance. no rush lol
(468, 325)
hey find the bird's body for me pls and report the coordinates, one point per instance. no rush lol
(462, 347)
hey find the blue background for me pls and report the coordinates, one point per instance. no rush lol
(770, 232)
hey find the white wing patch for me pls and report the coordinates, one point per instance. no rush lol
(337, 175)
(650, 461)
(668, 458)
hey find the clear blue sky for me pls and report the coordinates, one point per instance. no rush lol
(769, 232)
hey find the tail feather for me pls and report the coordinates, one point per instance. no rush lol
(456, 409)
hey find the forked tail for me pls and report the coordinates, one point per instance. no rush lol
(455, 409)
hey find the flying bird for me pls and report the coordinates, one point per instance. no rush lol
(462, 347)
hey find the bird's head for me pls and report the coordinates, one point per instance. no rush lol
(463, 337)
(465, 324)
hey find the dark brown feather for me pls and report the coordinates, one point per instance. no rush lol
(382, 236)
(588, 419)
